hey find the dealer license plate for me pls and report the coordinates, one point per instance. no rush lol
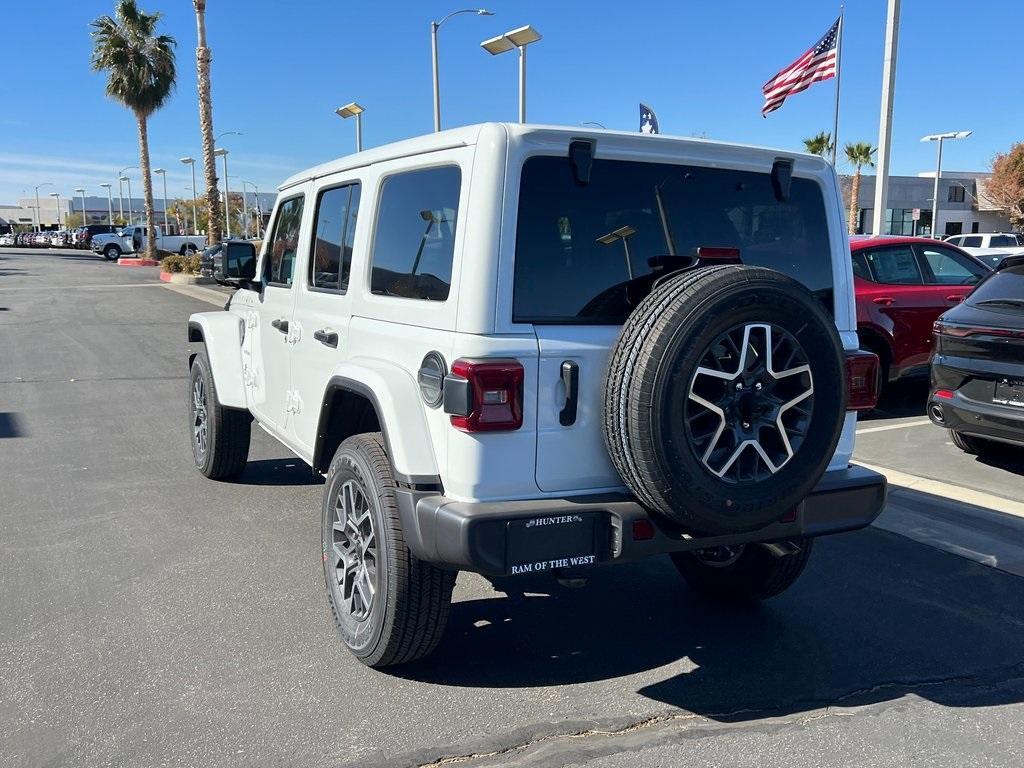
(556, 541)
(1009, 392)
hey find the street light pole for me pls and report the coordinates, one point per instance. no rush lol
(57, 196)
(259, 209)
(354, 109)
(434, 26)
(939, 138)
(163, 173)
(39, 214)
(124, 177)
(110, 206)
(191, 163)
(516, 38)
(81, 191)
(120, 197)
(223, 154)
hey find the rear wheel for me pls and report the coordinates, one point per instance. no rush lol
(979, 446)
(111, 253)
(389, 607)
(744, 572)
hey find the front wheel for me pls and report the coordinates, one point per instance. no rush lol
(390, 607)
(111, 253)
(744, 572)
(220, 436)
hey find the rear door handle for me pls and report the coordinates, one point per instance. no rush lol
(570, 373)
(885, 301)
(956, 298)
(281, 324)
(326, 337)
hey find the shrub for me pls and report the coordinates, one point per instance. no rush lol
(173, 262)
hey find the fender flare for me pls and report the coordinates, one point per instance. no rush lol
(395, 397)
(221, 333)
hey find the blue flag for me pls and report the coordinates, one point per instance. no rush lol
(648, 120)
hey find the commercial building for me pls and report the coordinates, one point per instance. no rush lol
(963, 205)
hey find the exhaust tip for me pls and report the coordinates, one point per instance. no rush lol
(935, 411)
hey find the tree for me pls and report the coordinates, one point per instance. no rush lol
(203, 59)
(858, 155)
(140, 74)
(1006, 186)
(819, 144)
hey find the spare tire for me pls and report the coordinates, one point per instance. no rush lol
(725, 397)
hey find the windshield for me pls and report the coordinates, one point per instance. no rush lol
(1004, 288)
(589, 253)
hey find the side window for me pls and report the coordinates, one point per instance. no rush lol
(948, 267)
(957, 240)
(1003, 241)
(860, 266)
(331, 259)
(971, 242)
(414, 241)
(895, 265)
(284, 243)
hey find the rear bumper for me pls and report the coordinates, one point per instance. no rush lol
(989, 420)
(513, 537)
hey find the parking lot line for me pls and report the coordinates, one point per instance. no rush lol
(887, 427)
(209, 295)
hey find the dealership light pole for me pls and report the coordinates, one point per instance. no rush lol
(353, 109)
(515, 38)
(39, 215)
(259, 210)
(110, 205)
(223, 153)
(940, 137)
(81, 191)
(163, 173)
(124, 177)
(434, 26)
(191, 163)
(57, 196)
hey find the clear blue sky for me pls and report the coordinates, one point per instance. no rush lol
(281, 68)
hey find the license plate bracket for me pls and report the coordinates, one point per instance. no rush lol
(1009, 392)
(541, 544)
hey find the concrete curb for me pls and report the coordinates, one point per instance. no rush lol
(180, 278)
(126, 261)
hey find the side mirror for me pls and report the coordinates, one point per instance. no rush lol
(235, 264)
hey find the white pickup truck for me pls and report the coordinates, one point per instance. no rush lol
(133, 240)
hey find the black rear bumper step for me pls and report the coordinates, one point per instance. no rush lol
(513, 537)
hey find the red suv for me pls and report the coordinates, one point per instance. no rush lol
(902, 285)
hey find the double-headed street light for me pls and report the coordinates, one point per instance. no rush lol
(434, 26)
(81, 191)
(221, 152)
(39, 215)
(110, 205)
(353, 109)
(940, 137)
(517, 38)
(191, 163)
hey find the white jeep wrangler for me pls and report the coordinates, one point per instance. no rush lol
(516, 349)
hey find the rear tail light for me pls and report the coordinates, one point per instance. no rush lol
(485, 395)
(863, 380)
(943, 394)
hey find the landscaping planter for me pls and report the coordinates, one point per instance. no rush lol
(130, 261)
(180, 278)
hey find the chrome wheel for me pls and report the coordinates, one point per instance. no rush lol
(200, 423)
(354, 551)
(750, 401)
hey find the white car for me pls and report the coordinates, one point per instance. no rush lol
(990, 247)
(517, 349)
(7, 239)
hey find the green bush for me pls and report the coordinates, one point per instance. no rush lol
(173, 262)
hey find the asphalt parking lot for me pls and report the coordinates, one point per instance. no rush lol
(153, 617)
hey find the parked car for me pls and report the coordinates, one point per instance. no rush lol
(7, 239)
(83, 235)
(218, 260)
(977, 381)
(515, 349)
(990, 247)
(132, 240)
(902, 285)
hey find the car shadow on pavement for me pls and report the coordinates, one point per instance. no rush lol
(290, 471)
(1010, 460)
(875, 617)
(900, 399)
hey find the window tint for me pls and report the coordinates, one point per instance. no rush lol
(895, 265)
(1003, 241)
(1005, 285)
(948, 267)
(280, 260)
(971, 242)
(589, 253)
(331, 259)
(860, 266)
(414, 242)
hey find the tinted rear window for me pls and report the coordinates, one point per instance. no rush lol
(1003, 241)
(1005, 284)
(582, 250)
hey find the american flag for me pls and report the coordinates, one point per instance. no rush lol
(819, 63)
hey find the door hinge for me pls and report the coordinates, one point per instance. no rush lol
(292, 402)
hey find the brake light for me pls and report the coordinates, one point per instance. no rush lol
(943, 394)
(863, 380)
(485, 395)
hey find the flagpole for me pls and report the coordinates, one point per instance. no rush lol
(839, 64)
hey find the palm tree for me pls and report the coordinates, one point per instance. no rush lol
(203, 58)
(820, 145)
(858, 155)
(140, 74)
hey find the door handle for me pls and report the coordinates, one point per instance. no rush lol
(326, 337)
(570, 373)
(281, 324)
(885, 301)
(956, 298)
